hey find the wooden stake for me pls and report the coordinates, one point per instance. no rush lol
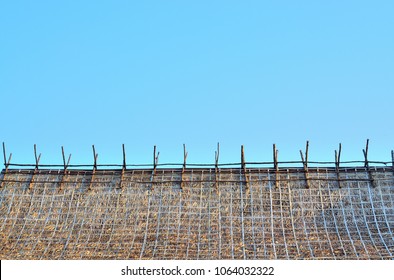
(6, 165)
(305, 163)
(365, 152)
(155, 162)
(306, 153)
(392, 160)
(124, 156)
(366, 165)
(65, 166)
(4, 155)
(123, 167)
(276, 166)
(95, 156)
(243, 166)
(184, 164)
(337, 163)
(35, 155)
(37, 159)
(217, 168)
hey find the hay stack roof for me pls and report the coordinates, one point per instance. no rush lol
(198, 213)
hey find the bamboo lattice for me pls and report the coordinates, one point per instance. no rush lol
(198, 213)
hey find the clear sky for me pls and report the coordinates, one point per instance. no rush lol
(144, 73)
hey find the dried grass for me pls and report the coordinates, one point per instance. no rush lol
(160, 221)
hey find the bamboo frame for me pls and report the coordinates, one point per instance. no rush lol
(67, 167)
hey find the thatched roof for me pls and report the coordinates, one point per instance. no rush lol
(198, 213)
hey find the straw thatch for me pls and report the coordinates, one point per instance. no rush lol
(198, 214)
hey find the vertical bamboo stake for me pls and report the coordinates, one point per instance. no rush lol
(155, 158)
(276, 166)
(365, 152)
(337, 163)
(37, 159)
(184, 165)
(155, 162)
(123, 167)
(366, 165)
(217, 168)
(305, 164)
(5, 156)
(392, 160)
(65, 166)
(6, 165)
(95, 156)
(243, 166)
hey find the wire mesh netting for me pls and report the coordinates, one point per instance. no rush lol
(235, 213)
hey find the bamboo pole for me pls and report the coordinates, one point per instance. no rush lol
(155, 162)
(184, 165)
(276, 165)
(305, 164)
(337, 164)
(366, 165)
(65, 166)
(243, 167)
(6, 165)
(217, 177)
(37, 161)
(392, 160)
(124, 166)
(95, 156)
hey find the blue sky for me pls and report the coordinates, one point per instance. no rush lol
(144, 73)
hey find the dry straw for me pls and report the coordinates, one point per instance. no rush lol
(211, 212)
